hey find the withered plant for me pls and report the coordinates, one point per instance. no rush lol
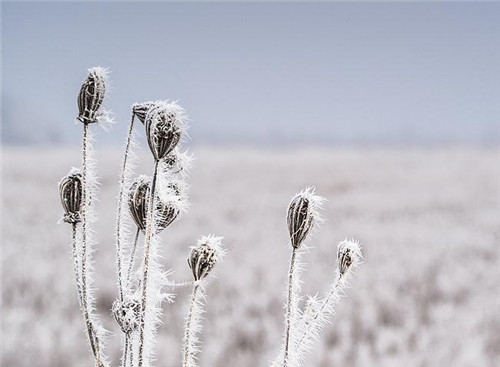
(147, 206)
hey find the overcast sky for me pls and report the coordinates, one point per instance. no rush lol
(261, 73)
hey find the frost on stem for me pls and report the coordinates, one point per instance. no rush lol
(318, 312)
(202, 259)
(302, 216)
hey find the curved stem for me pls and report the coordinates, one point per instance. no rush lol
(147, 245)
(290, 308)
(121, 200)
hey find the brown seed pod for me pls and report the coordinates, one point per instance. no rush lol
(140, 110)
(302, 215)
(165, 213)
(204, 256)
(164, 127)
(91, 95)
(70, 191)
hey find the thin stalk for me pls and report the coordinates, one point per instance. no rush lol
(147, 245)
(290, 309)
(121, 200)
(132, 255)
(85, 308)
(125, 350)
(76, 264)
(189, 333)
(333, 291)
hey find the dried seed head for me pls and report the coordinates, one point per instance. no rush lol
(141, 109)
(164, 127)
(92, 95)
(303, 215)
(70, 191)
(348, 255)
(204, 256)
(127, 313)
(138, 203)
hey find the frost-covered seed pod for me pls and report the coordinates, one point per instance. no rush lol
(165, 213)
(203, 258)
(348, 253)
(164, 125)
(70, 191)
(137, 201)
(127, 314)
(91, 95)
(303, 215)
(141, 109)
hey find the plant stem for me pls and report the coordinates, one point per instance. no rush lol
(120, 208)
(132, 256)
(290, 307)
(189, 333)
(125, 350)
(85, 308)
(76, 264)
(147, 245)
(334, 290)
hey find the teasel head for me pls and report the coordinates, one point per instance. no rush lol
(303, 215)
(348, 255)
(165, 124)
(70, 191)
(91, 95)
(165, 213)
(127, 313)
(204, 256)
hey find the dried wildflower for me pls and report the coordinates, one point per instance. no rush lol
(127, 313)
(70, 190)
(204, 256)
(139, 193)
(137, 201)
(164, 127)
(91, 95)
(141, 109)
(348, 253)
(303, 214)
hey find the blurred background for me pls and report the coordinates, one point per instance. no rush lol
(390, 109)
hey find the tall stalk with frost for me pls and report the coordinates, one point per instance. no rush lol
(201, 260)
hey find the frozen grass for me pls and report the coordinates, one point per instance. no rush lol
(427, 295)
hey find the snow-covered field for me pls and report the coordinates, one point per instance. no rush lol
(428, 293)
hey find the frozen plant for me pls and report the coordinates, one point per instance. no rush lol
(302, 327)
(148, 206)
(149, 203)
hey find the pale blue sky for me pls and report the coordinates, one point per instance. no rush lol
(261, 73)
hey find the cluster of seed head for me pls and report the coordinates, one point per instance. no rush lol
(127, 314)
(70, 192)
(204, 256)
(303, 215)
(138, 203)
(91, 95)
